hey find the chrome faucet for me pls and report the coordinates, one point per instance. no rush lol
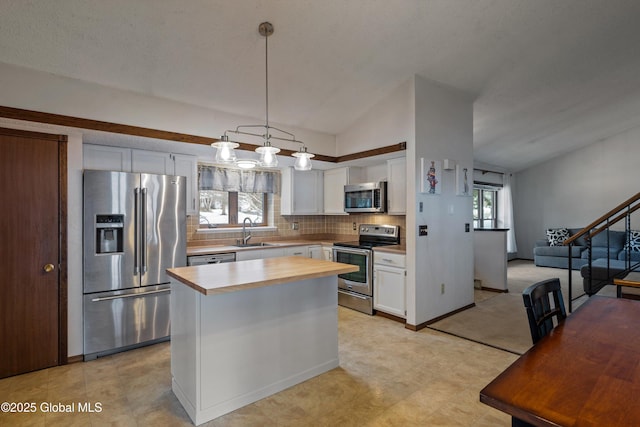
(245, 237)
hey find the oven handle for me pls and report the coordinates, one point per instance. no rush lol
(353, 294)
(366, 252)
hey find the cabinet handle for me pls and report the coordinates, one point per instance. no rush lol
(387, 260)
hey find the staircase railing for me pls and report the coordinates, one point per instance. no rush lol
(603, 224)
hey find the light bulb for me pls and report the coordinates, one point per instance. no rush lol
(303, 160)
(268, 156)
(225, 152)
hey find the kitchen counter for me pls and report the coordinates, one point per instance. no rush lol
(214, 279)
(490, 260)
(243, 331)
(394, 249)
(218, 249)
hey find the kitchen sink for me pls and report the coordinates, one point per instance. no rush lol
(250, 245)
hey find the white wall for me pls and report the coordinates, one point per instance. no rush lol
(437, 123)
(39, 91)
(386, 123)
(444, 130)
(575, 189)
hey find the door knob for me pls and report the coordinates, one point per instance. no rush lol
(48, 268)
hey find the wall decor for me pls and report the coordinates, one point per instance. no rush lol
(463, 181)
(431, 176)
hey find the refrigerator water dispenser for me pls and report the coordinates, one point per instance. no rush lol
(109, 233)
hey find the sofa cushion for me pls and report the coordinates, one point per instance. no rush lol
(557, 236)
(601, 252)
(616, 240)
(561, 251)
(580, 241)
(634, 241)
(635, 256)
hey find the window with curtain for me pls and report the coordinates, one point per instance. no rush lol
(485, 207)
(228, 196)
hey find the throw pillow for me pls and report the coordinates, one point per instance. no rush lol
(557, 236)
(634, 241)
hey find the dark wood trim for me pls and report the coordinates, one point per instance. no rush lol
(63, 263)
(390, 316)
(77, 122)
(500, 291)
(75, 359)
(423, 325)
(30, 134)
(374, 152)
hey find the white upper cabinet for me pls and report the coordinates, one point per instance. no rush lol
(102, 157)
(397, 186)
(334, 182)
(187, 165)
(121, 159)
(301, 192)
(145, 161)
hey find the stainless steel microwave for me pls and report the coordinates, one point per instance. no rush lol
(366, 197)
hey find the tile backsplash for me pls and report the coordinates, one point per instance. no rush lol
(316, 225)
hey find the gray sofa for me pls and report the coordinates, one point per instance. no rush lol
(604, 245)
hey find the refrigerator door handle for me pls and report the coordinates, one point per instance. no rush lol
(143, 226)
(136, 231)
(137, 294)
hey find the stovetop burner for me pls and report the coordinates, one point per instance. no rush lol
(363, 245)
(372, 235)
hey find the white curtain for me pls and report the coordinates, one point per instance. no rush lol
(246, 181)
(505, 213)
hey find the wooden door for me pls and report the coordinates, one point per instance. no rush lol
(32, 220)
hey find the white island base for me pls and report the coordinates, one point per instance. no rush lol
(232, 349)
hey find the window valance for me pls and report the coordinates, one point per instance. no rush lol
(246, 181)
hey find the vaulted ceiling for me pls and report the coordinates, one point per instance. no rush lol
(548, 76)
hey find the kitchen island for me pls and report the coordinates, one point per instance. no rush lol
(244, 330)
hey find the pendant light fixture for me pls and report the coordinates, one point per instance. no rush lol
(225, 152)
(225, 148)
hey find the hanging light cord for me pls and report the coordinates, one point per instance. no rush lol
(266, 31)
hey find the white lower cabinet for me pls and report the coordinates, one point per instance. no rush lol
(297, 251)
(259, 254)
(315, 252)
(327, 253)
(389, 283)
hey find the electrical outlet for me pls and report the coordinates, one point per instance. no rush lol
(423, 230)
(354, 226)
(294, 226)
(442, 289)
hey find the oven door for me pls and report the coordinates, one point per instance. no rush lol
(358, 281)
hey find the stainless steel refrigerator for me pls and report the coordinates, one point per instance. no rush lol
(134, 229)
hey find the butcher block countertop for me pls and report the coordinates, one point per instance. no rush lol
(215, 279)
(394, 249)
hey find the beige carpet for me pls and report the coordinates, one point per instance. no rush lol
(499, 319)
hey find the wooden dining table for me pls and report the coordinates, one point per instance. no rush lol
(586, 372)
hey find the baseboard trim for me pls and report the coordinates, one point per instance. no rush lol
(75, 359)
(391, 316)
(500, 291)
(423, 325)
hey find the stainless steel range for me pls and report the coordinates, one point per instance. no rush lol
(355, 290)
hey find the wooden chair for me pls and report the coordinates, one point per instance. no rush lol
(537, 301)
